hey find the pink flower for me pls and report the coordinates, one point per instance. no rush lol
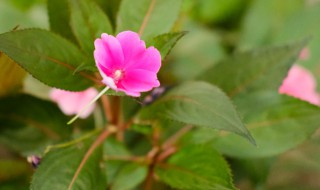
(125, 63)
(300, 83)
(72, 102)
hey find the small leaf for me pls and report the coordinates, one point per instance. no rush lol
(165, 42)
(29, 124)
(47, 57)
(254, 70)
(129, 177)
(200, 104)
(59, 166)
(59, 18)
(196, 167)
(277, 123)
(11, 75)
(88, 22)
(148, 17)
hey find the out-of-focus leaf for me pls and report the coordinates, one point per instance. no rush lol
(165, 42)
(10, 169)
(88, 22)
(195, 168)
(199, 104)
(130, 176)
(148, 17)
(29, 124)
(11, 75)
(59, 18)
(110, 7)
(265, 19)
(277, 123)
(194, 54)
(58, 167)
(255, 70)
(48, 57)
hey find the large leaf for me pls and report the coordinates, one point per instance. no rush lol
(165, 42)
(11, 75)
(196, 168)
(28, 124)
(59, 18)
(254, 70)
(88, 22)
(200, 104)
(59, 166)
(130, 176)
(48, 57)
(148, 17)
(111, 8)
(277, 123)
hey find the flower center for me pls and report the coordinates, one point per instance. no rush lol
(118, 74)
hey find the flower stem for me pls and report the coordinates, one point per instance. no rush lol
(88, 105)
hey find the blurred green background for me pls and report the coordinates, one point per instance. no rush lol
(216, 28)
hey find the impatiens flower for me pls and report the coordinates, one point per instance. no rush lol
(125, 63)
(300, 83)
(72, 102)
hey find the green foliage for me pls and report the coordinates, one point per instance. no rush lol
(196, 167)
(59, 166)
(88, 22)
(165, 42)
(59, 18)
(148, 17)
(200, 104)
(253, 70)
(29, 124)
(277, 123)
(51, 59)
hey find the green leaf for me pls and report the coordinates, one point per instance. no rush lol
(254, 70)
(196, 167)
(47, 57)
(200, 104)
(58, 167)
(130, 176)
(59, 18)
(148, 17)
(11, 75)
(13, 168)
(165, 42)
(111, 8)
(29, 124)
(277, 123)
(88, 22)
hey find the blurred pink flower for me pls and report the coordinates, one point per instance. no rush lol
(125, 63)
(300, 83)
(72, 102)
(304, 54)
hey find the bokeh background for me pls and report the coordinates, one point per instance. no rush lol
(216, 28)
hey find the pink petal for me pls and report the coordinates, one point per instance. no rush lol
(300, 83)
(150, 60)
(108, 52)
(140, 80)
(132, 46)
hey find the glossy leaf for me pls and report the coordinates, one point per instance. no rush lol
(148, 17)
(254, 70)
(199, 104)
(47, 57)
(28, 124)
(277, 123)
(195, 168)
(165, 42)
(11, 75)
(59, 18)
(88, 22)
(130, 176)
(59, 166)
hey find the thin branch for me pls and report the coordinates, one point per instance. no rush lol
(106, 107)
(95, 144)
(146, 18)
(174, 138)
